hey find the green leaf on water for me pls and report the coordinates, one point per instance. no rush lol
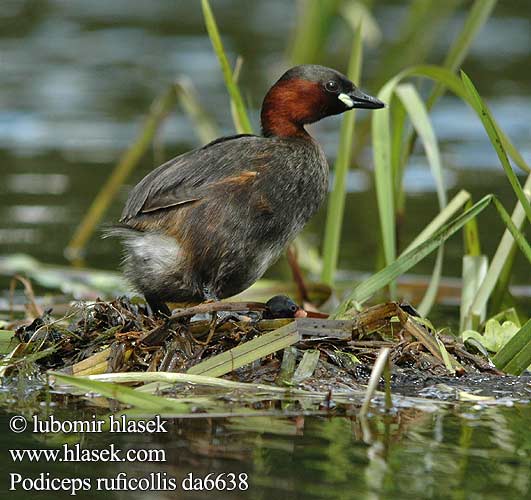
(496, 334)
(515, 356)
(126, 395)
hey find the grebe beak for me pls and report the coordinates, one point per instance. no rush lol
(358, 99)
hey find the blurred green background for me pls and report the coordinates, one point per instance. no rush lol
(78, 77)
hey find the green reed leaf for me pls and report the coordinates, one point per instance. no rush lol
(505, 249)
(406, 261)
(515, 356)
(418, 115)
(336, 200)
(123, 394)
(243, 124)
(495, 139)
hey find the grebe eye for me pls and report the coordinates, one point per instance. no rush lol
(293, 308)
(332, 86)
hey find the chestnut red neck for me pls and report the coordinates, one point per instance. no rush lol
(289, 105)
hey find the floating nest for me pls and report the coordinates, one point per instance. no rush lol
(309, 353)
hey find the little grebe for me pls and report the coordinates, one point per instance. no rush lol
(207, 224)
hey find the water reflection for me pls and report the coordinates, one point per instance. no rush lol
(457, 453)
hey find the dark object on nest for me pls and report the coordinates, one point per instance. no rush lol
(281, 306)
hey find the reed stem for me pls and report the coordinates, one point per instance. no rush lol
(336, 201)
(159, 110)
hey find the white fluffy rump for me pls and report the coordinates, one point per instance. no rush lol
(148, 253)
